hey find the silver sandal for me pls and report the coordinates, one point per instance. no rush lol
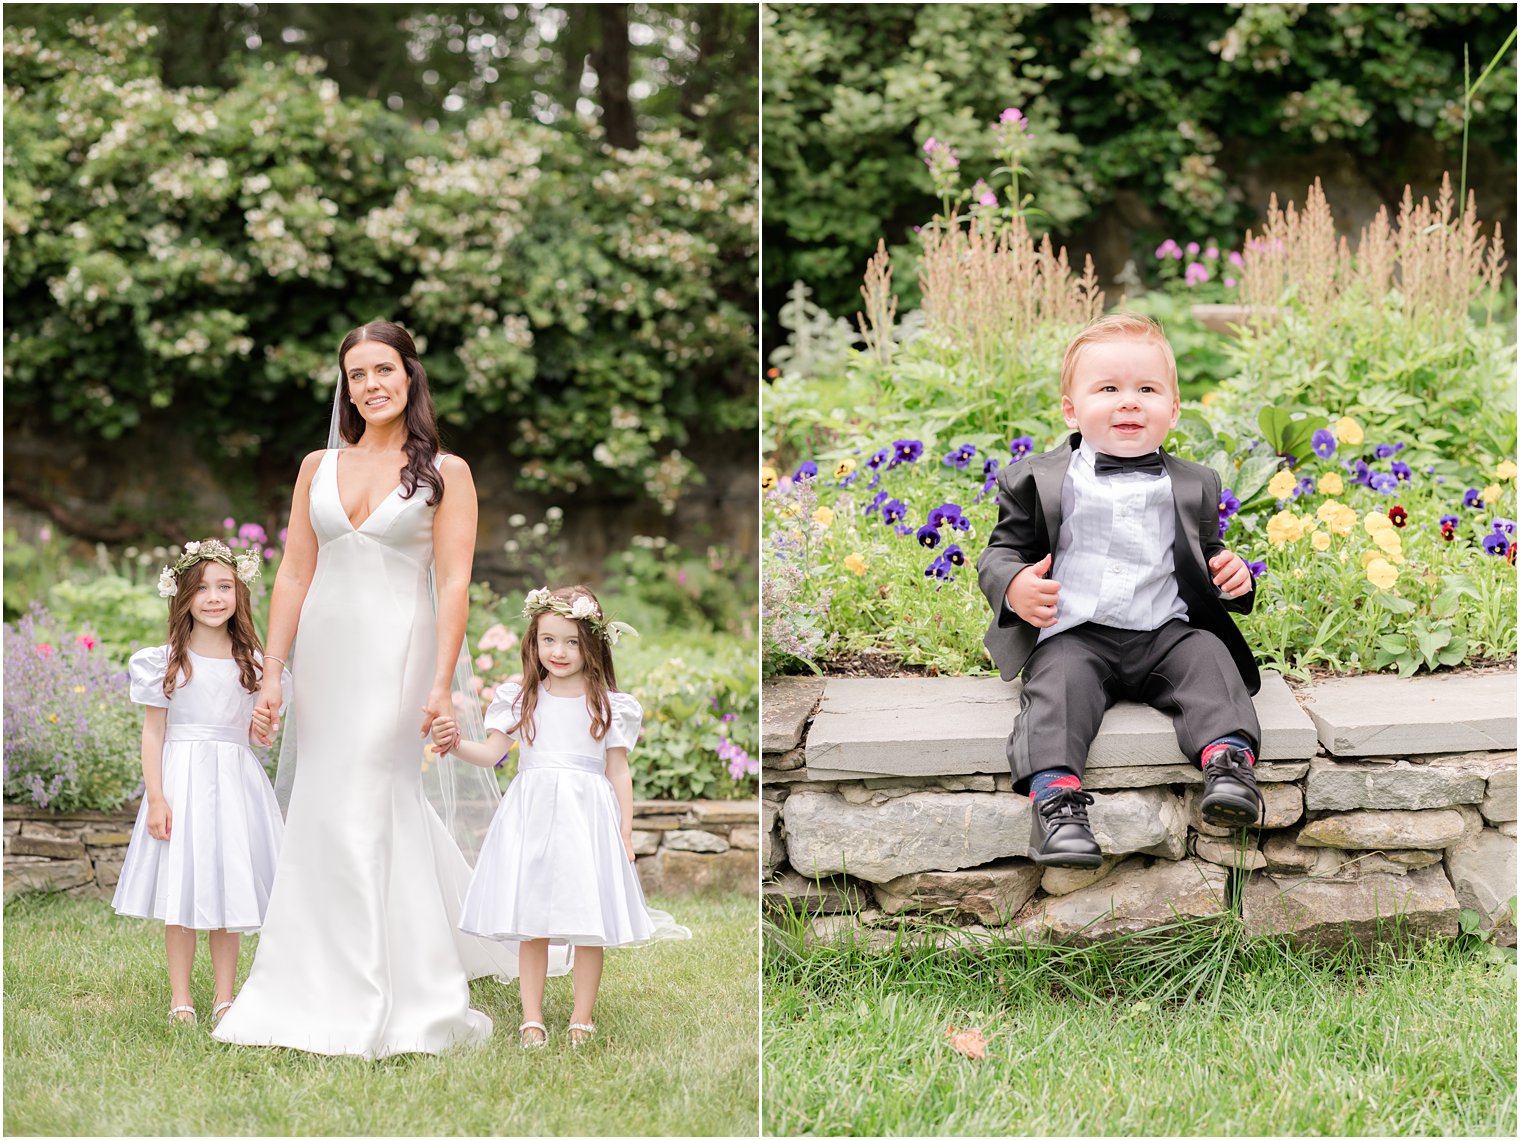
(586, 1030)
(176, 1010)
(533, 1042)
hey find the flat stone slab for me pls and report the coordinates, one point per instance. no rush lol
(931, 726)
(1319, 912)
(788, 703)
(1380, 715)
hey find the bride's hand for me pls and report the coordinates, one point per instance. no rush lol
(439, 703)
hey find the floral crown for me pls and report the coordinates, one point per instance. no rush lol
(581, 608)
(245, 566)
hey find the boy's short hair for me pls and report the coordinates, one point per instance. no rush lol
(1117, 326)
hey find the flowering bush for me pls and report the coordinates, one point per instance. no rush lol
(72, 736)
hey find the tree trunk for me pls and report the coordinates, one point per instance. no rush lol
(611, 60)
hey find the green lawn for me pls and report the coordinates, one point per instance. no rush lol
(88, 1049)
(1202, 1035)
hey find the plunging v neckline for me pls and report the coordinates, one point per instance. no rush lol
(338, 490)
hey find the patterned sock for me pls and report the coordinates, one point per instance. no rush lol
(1238, 742)
(1043, 785)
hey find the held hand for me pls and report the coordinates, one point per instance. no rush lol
(1231, 574)
(439, 703)
(445, 734)
(263, 724)
(159, 818)
(271, 696)
(628, 846)
(1033, 596)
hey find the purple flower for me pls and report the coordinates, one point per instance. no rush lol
(960, 457)
(892, 510)
(928, 536)
(949, 513)
(990, 468)
(905, 451)
(881, 497)
(1305, 487)
(1495, 544)
(1383, 450)
(1359, 471)
(878, 458)
(1257, 568)
(1228, 504)
(1383, 483)
(1021, 447)
(1449, 520)
(1401, 471)
(1472, 498)
(1504, 526)
(1323, 443)
(940, 569)
(808, 470)
(903, 528)
(1224, 525)
(954, 555)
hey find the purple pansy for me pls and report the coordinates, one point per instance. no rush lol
(1323, 443)
(905, 451)
(928, 536)
(878, 458)
(1505, 527)
(1383, 483)
(893, 510)
(1495, 544)
(1257, 568)
(881, 497)
(1401, 471)
(1021, 447)
(808, 470)
(1305, 486)
(960, 457)
(1472, 498)
(1228, 504)
(954, 555)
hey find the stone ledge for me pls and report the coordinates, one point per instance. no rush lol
(931, 726)
(1380, 715)
(789, 702)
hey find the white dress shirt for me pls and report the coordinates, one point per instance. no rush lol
(1114, 557)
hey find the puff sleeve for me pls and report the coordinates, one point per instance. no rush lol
(287, 685)
(627, 721)
(503, 714)
(145, 673)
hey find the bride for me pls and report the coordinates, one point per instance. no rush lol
(359, 952)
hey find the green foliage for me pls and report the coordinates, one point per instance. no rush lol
(205, 249)
(1175, 104)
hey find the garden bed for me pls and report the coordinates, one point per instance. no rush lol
(887, 802)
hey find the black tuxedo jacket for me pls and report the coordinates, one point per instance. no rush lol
(1029, 522)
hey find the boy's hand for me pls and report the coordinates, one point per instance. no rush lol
(1032, 596)
(1231, 574)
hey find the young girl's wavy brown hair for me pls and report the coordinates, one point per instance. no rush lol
(596, 655)
(245, 639)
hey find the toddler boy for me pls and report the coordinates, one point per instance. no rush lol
(1107, 579)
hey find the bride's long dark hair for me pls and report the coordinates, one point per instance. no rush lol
(422, 442)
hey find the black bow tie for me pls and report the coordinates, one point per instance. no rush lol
(1113, 464)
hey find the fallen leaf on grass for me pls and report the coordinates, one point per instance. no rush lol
(967, 1041)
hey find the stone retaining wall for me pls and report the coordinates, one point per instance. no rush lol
(682, 847)
(884, 801)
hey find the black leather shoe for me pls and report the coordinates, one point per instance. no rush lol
(1230, 795)
(1059, 834)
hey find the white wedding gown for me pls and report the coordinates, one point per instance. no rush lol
(359, 952)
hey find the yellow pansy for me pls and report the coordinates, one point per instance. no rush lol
(1381, 574)
(789, 510)
(1388, 541)
(843, 468)
(1368, 557)
(1347, 430)
(1506, 470)
(1282, 484)
(823, 516)
(855, 563)
(1283, 527)
(1375, 521)
(1337, 516)
(1491, 494)
(1321, 541)
(1330, 483)
(53, 718)
(768, 478)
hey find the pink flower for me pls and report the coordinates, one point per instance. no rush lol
(485, 662)
(44, 649)
(269, 555)
(1212, 253)
(1195, 274)
(1012, 115)
(930, 144)
(988, 199)
(283, 532)
(87, 641)
(476, 683)
(1165, 249)
(1236, 260)
(1192, 249)
(1229, 282)
(230, 523)
(498, 637)
(45, 535)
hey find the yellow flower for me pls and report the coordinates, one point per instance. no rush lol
(1321, 541)
(1330, 483)
(1368, 557)
(1506, 470)
(843, 468)
(823, 516)
(768, 478)
(789, 510)
(1337, 516)
(53, 717)
(1297, 573)
(1491, 495)
(1282, 484)
(1208, 398)
(1381, 574)
(1347, 430)
(1375, 521)
(1388, 541)
(855, 563)
(79, 688)
(1283, 527)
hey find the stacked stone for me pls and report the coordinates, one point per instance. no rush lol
(1349, 837)
(682, 847)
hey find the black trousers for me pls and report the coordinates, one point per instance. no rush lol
(1073, 678)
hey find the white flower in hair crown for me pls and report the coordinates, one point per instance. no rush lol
(245, 566)
(581, 608)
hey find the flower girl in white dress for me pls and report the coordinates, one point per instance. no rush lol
(203, 851)
(557, 863)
